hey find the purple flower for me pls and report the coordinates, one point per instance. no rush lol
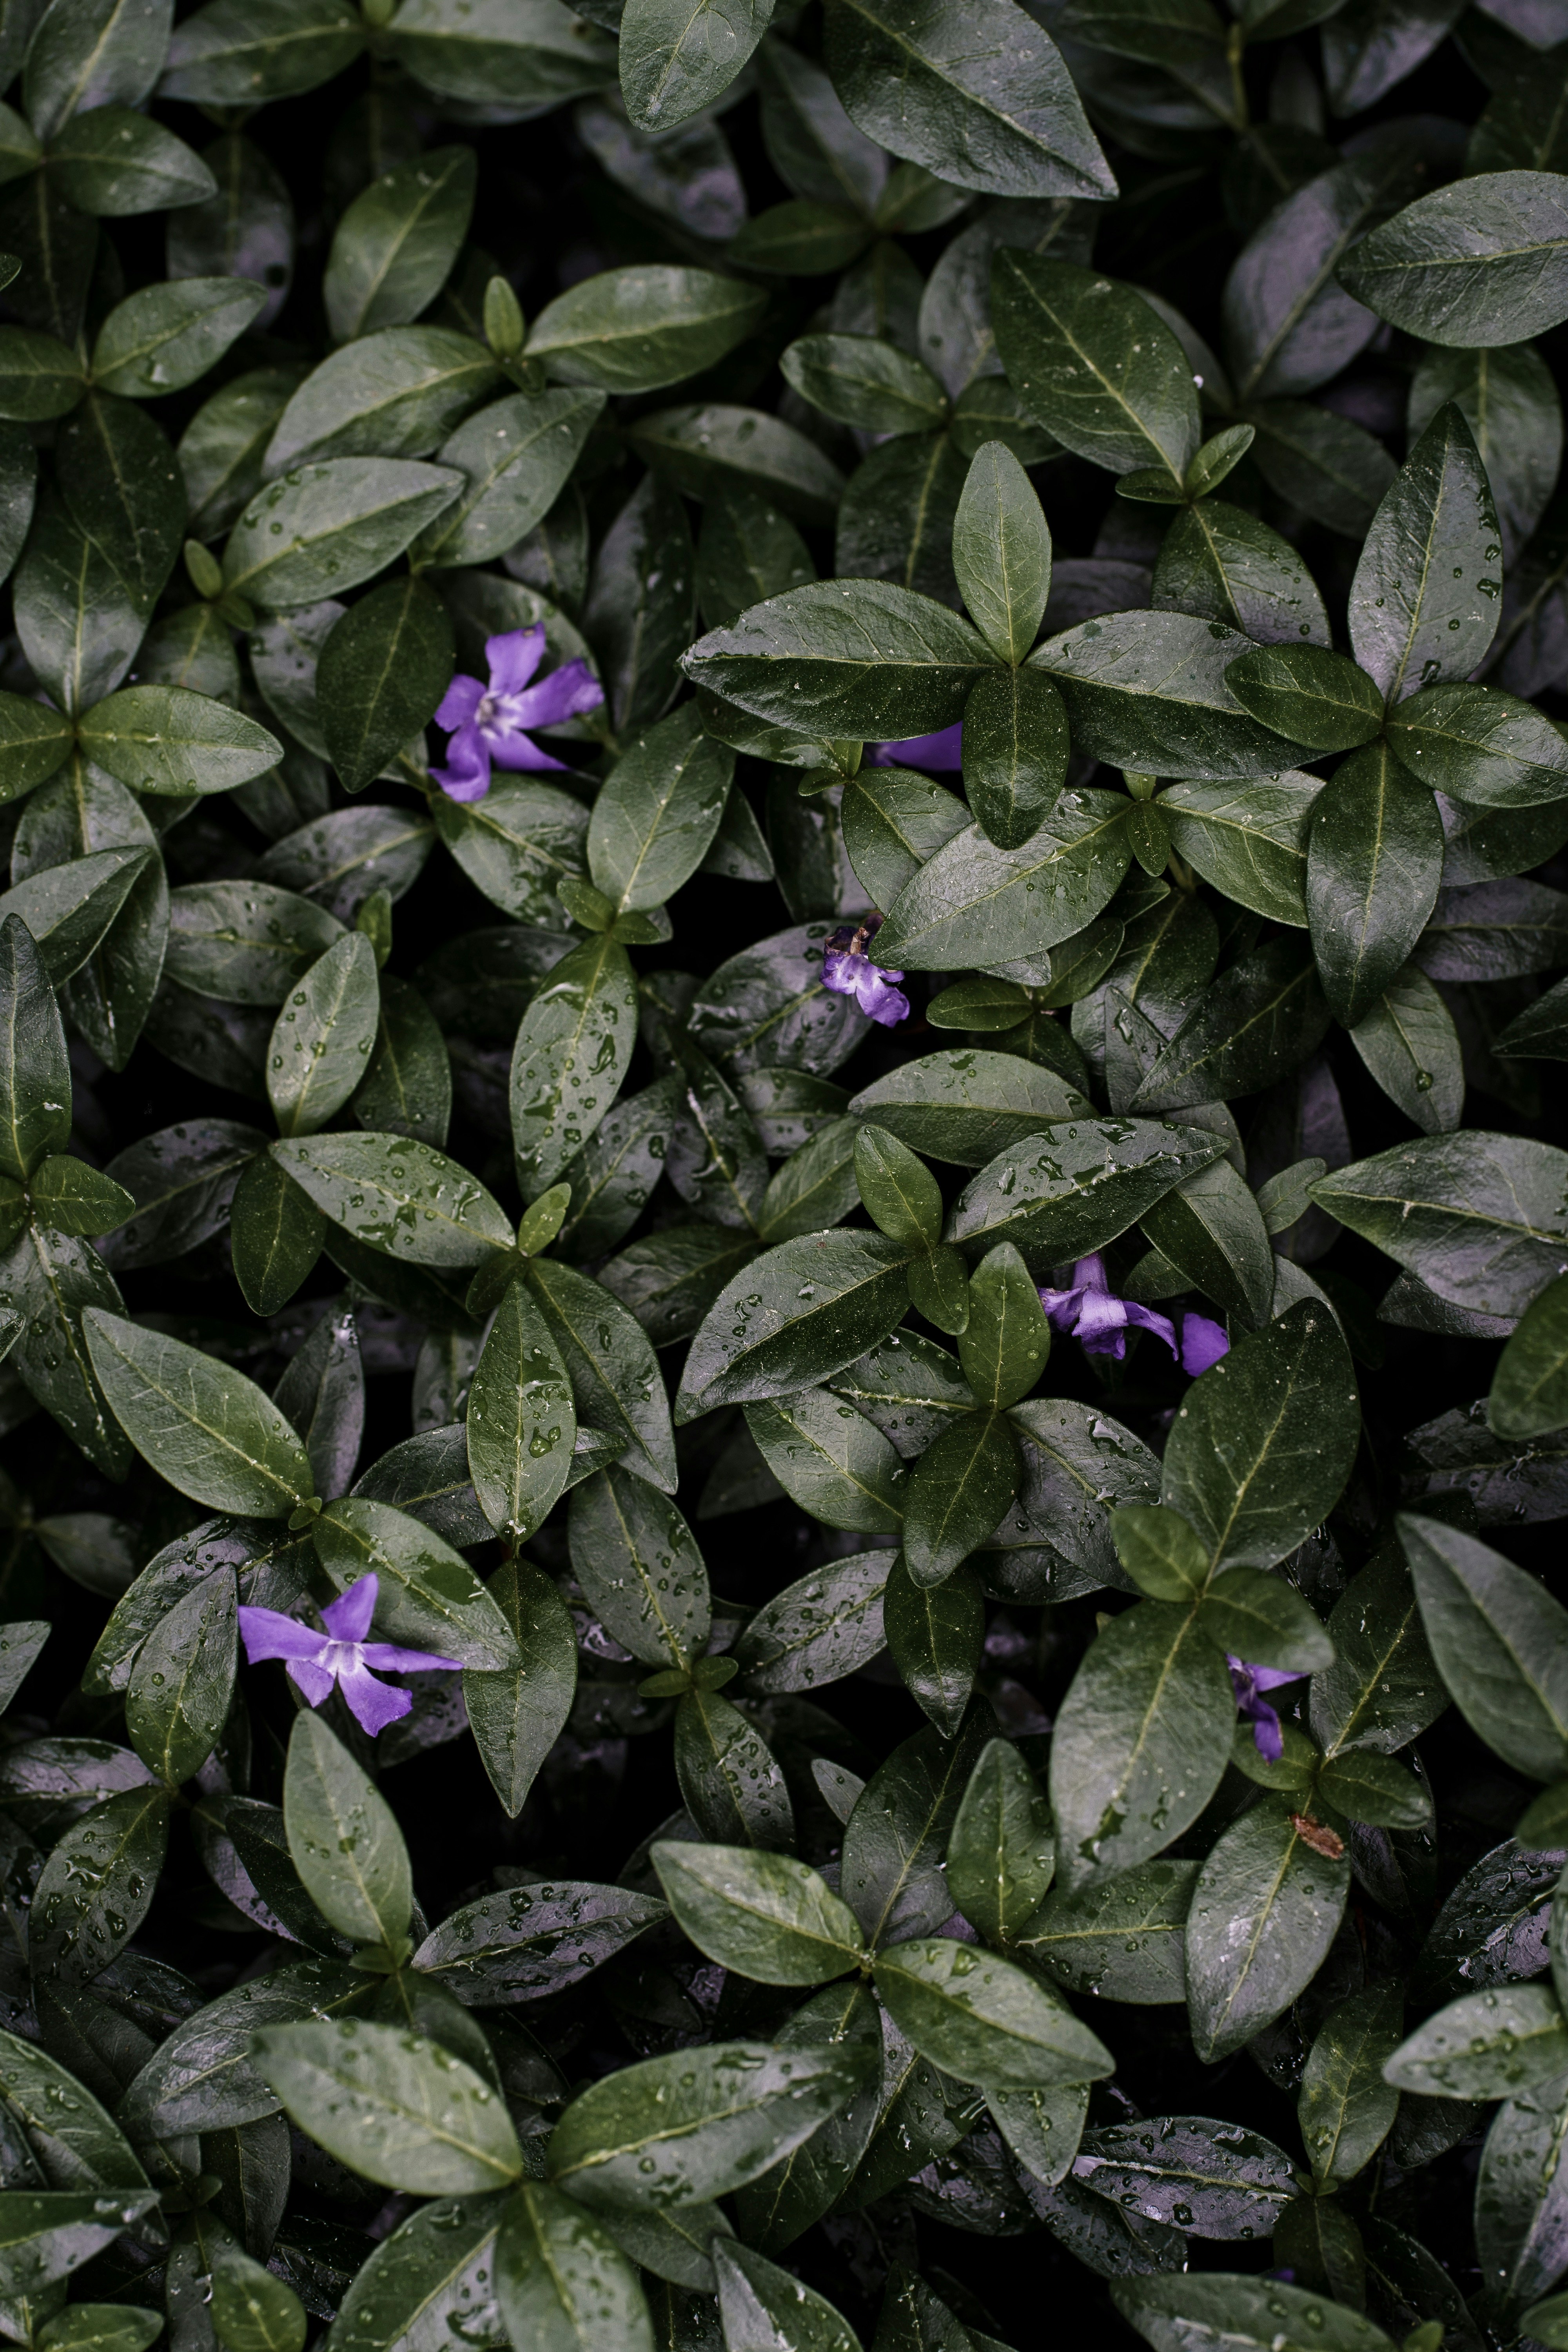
(1250, 1683)
(342, 1656)
(941, 751)
(488, 722)
(1099, 1320)
(847, 970)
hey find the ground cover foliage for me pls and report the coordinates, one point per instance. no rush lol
(783, 1208)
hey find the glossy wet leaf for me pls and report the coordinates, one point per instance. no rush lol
(207, 1428)
(396, 2106)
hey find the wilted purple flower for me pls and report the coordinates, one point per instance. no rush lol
(342, 1656)
(1248, 1684)
(1099, 1320)
(489, 721)
(847, 970)
(940, 752)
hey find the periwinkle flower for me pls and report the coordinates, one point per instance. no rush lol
(489, 721)
(847, 970)
(938, 753)
(1100, 1322)
(342, 1656)
(1250, 1683)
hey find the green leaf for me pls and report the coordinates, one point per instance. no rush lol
(961, 1487)
(1001, 1854)
(1002, 552)
(394, 245)
(399, 1196)
(982, 2019)
(698, 2124)
(710, 449)
(1220, 562)
(729, 1777)
(516, 1714)
(1095, 363)
(1263, 1017)
(327, 527)
(640, 1567)
(1210, 1228)
(1383, 1686)
(164, 338)
(34, 1073)
(45, 2234)
(428, 1596)
(1073, 1186)
(819, 1629)
(674, 62)
(395, 2107)
(966, 1105)
(40, 377)
(407, 1087)
(33, 743)
(1334, 469)
(562, 2284)
(521, 1423)
(1480, 745)
(748, 551)
(107, 54)
(181, 1684)
(831, 1461)
(1346, 2108)
(394, 394)
(861, 381)
(845, 659)
(1477, 1218)
(1374, 860)
(526, 58)
(616, 1385)
(1261, 1618)
(383, 670)
(98, 1884)
(1482, 263)
(1510, 405)
(113, 162)
(1410, 1045)
(222, 448)
(533, 1940)
(245, 943)
(1004, 1345)
(762, 2307)
(275, 1235)
(1496, 2044)
(1251, 2314)
(1209, 2179)
(68, 907)
(1160, 1551)
(785, 1338)
(1266, 1909)
(79, 620)
(897, 1830)
(1259, 1454)
(1430, 561)
(657, 813)
(573, 1047)
(1308, 694)
(1016, 753)
(1124, 1939)
(1501, 1642)
(973, 899)
(1148, 691)
(48, 1279)
(205, 1427)
(935, 1633)
(1530, 1387)
(343, 1839)
(165, 740)
(639, 611)
(636, 329)
(763, 1916)
(984, 102)
(1140, 1744)
(322, 1038)
(515, 456)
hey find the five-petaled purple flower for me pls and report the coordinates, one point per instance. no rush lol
(342, 1656)
(1250, 1683)
(1099, 1320)
(847, 970)
(938, 753)
(489, 721)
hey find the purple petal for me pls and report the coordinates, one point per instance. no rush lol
(467, 775)
(372, 1705)
(1061, 1307)
(877, 997)
(347, 1618)
(944, 750)
(566, 693)
(1202, 1343)
(1090, 1273)
(459, 702)
(510, 747)
(514, 657)
(392, 1658)
(316, 1682)
(268, 1634)
(1273, 1677)
(838, 974)
(1267, 1736)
